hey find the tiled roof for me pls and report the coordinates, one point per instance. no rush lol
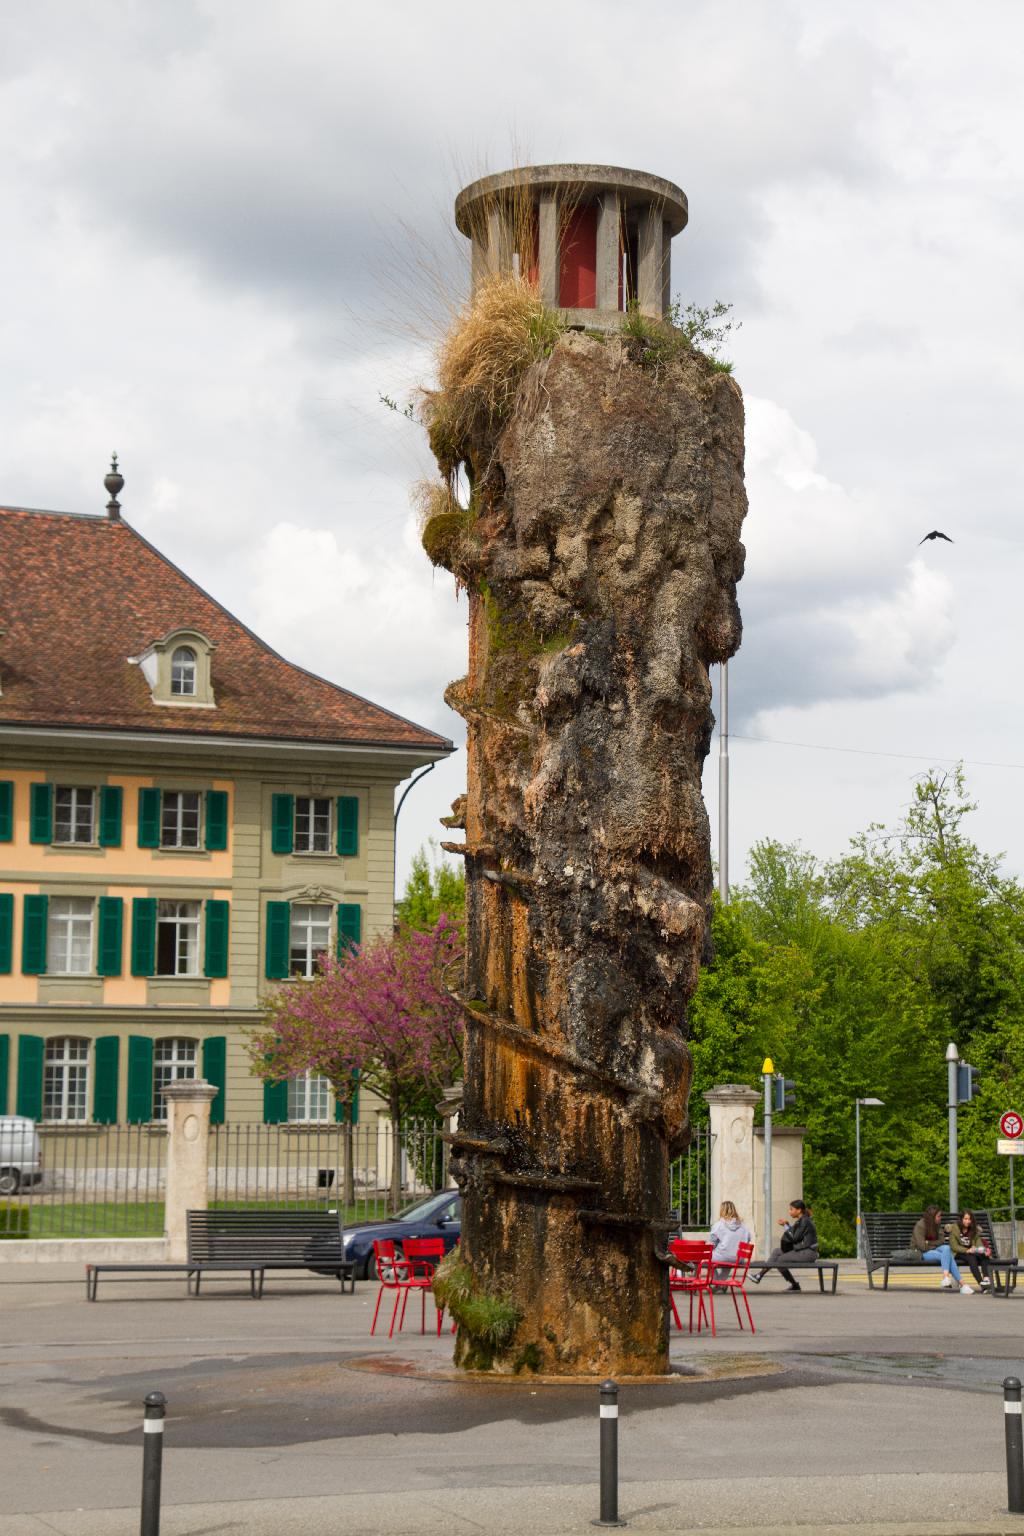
(79, 595)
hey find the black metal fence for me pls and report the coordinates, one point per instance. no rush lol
(109, 1181)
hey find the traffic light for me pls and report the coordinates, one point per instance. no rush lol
(783, 1093)
(966, 1083)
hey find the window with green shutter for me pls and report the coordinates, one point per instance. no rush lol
(143, 935)
(216, 820)
(110, 950)
(350, 927)
(30, 1077)
(6, 932)
(348, 825)
(33, 936)
(5, 1070)
(111, 806)
(218, 917)
(105, 1059)
(282, 823)
(40, 813)
(149, 818)
(140, 1079)
(215, 1063)
(278, 921)
(275, 1103)
(6, 810)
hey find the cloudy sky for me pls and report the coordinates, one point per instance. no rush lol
(228, 233)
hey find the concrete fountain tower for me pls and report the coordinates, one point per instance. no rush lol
(595, 238)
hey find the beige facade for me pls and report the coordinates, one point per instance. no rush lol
(246, 875)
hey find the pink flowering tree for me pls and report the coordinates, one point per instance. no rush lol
(384, 1011)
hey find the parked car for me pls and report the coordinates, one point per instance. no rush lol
(20, 1159)
(437, 1216)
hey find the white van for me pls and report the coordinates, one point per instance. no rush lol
(20, 1161)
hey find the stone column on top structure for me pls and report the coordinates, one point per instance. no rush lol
(188, 1144)
(731, 1171)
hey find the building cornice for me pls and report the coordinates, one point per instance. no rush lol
(224, 743)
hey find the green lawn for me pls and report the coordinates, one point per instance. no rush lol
(146, 1218)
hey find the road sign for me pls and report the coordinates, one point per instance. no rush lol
(1010, 1148)
(1011, 1125)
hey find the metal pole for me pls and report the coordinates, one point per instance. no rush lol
(952, 1061)
(1014, 1446)
(152, 1458)
(768, 1079)
(723, 787)
(1013, 1219)
(860, 1239)
(609, 1422)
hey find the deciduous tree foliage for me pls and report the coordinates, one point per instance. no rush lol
(383, 1011)
(853, 976)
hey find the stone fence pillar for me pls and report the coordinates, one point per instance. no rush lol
(188, 1139)
(732, 1148)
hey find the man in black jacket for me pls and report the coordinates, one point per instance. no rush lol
(799, 1242)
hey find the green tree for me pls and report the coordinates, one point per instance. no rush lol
(853, 976)
(434, 889)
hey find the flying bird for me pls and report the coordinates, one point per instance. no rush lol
(935, 534)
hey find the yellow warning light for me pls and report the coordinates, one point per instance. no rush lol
(769, 1065)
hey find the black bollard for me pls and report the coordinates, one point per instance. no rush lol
(609, 1455)
(1014, 1446)
(152, 1461)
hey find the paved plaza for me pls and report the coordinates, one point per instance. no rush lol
(882, 1411)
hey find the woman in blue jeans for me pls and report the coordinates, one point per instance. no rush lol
(930, 1242)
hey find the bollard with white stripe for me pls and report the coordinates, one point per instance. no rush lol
(152, 1461)
(609, 1455)
(1014, 1445)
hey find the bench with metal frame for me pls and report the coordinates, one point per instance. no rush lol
(820, 1265)
(885, 1233)
(249, 1242)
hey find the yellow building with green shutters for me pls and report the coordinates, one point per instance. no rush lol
(186, 819)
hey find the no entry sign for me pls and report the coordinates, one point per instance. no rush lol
(1011, 1125)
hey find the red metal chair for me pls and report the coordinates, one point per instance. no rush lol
(424, 1255)
(694, 1281)
(735, 1282)
(399, 1275)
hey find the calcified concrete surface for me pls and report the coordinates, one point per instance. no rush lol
(601, 557)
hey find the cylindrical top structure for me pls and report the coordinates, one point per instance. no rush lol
(595, 238)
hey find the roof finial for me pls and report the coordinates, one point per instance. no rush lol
(114, 483)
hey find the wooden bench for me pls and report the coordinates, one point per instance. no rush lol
(885, 1233)
(820, 1265)
(248, 1242)
(268, 1240)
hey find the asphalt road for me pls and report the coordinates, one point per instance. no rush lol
(882, 1411)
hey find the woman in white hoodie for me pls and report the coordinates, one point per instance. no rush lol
(727, 1234)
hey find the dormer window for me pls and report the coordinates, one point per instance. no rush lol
(179, 670)
(183, 671)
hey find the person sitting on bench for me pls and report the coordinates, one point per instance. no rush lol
(969, 1248)
(928, 1240)
(799, 1244)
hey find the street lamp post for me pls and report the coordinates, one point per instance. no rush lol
(952, 1062)
(860, 1229)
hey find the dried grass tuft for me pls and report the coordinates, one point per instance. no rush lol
(497, 337)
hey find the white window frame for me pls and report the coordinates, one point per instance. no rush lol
(173, 810)
(310, 1100)
(313, 829)
(303, 932)
(66, 1080)
(184, 672)
(80, 801)
(184, 918)
(70, 919)
(175, 1060)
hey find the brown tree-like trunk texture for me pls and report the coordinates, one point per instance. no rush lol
(601, 554)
